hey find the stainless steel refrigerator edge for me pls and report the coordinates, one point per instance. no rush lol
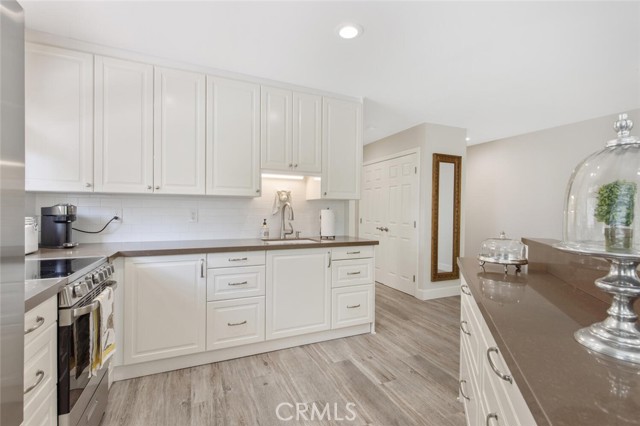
(11, 212)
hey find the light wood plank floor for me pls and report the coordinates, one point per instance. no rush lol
(405, 374)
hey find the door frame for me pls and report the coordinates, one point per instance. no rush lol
(418, 227)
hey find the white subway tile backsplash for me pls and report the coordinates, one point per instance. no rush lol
(152, 217)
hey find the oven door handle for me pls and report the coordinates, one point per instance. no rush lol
(78, 312)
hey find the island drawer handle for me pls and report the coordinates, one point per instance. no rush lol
(490, 416)
(39, 377)
(505, 377)
(242, 283)
(462, 390)
(353, 273)
(237, 259)
(353, 252)
(39, 322)
(353, 306)
(463, 322)
(233, 324)
(465, 289)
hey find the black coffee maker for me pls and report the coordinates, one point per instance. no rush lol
(55, 224)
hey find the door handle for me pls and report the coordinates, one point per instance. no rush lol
(201, 268)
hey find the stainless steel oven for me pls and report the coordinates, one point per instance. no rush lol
(82, 397)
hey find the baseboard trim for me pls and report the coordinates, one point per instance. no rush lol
(125, 372)
(446, 290)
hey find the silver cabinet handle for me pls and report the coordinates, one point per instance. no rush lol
(329, 265)
(385, 229)
(233, 324)
(290, 165)
(353, 252)
(490, 416)
(39, 322)
(257, 191)
(242, 283)
(325, 193)
(201, 268)
(353, 273)
(39, 378)
(465, 289)
(295, 165)
(149, 187)
(157, 186)
(88, 185)
(353, 306)
(462, 390)
(462, 323)
(237, 259)
(505, 377)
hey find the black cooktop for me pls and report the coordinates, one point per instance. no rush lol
(36, 269)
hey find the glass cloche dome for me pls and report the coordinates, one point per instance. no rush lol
(602, 212)
(503, 251)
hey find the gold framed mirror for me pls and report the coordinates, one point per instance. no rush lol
(445, 217)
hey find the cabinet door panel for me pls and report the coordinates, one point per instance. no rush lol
(179, 147)
(233, 137)
(123, 126)
(307, 133)
(298, 292)
(165, 307)
(341, 149)
(275, 129)
(58, 119)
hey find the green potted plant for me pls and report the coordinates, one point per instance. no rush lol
(615, 208)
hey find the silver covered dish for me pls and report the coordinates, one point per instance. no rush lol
(503, 251)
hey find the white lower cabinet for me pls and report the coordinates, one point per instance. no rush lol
(298, 292)
(40, 365)
(164, 307)
(235, 322)
(487, 388)
(352, 306)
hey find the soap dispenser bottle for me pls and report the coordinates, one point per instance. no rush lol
(264, 231)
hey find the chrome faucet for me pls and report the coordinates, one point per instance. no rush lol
(284, 232)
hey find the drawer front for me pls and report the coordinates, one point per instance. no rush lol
(467, 388)
(38, 319)
(230, 283)
(352, 306)
(235, 322)
(470, 334)
(42, 411)
(354, 252)
(40, 372)
(236, 258)
(351, 272)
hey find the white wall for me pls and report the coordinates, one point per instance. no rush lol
(166, 218)
(518, 184)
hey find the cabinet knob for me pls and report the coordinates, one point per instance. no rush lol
(257, 191)
(88, 185)
(295, 165)
(149, 187)
(158, 187)
(290, 165)
(325, 193)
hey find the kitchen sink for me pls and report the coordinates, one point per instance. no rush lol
(292, 241)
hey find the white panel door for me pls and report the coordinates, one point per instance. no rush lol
(123, 126)
(164, 307)
(275, 129)
(341, 149)
(233, 137)
(179, 135)
(389, 212)
(298, 292)
(58, 119)
(307, 133)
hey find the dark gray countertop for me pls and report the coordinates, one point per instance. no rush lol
(532, 317)
(37, 291)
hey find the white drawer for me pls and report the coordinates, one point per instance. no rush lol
(470, 333)
(42, 410)
(235, 258)
(40, 364)
(230, 283)
(351, 272)
(353, 252)
(352, 306)
(39, 318)
(235, 322)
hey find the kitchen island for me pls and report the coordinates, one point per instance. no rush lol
(531, 318)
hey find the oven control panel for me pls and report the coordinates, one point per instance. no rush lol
(73, 292)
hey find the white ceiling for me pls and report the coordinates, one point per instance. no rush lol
(496, 68)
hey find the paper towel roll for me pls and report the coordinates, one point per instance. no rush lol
(327, 224)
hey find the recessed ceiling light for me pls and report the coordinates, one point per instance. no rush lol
(349, 31)
(467, 139)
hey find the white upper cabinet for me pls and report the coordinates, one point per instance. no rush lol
(233, 137)
(123, 126)
(291, 130)
(179, 132)
(341, 149)
(58, 119)
(276, 129)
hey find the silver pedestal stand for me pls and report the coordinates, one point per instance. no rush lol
(618, 335)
